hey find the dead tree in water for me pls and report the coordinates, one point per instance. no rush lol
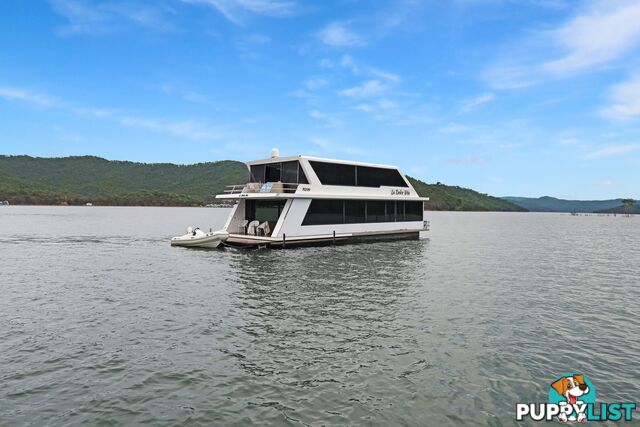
(628, 205)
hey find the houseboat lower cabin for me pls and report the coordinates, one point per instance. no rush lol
(301, 200)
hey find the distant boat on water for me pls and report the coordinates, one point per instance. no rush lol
(4, 203)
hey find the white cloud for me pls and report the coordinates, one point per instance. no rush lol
(625, 99)
(185, 129)
(316, 83)
(453, 128)
(600, 34)
(569, 141)
(86, 17)
(604, 33)
(366, 108)
(190, 129)
(336, 34)
(471, 104)
(235, 10)
(321, 142)
(98, 113)
(23, 95)
(257, 39)
(466, 160)
(612, 151)
(384, 109)
(607, 183)
(385, 75)
(508, 76)
(347, 62)
(327, 119)
(330, 147)
(387, 104)
(367, 89)
(186, 94)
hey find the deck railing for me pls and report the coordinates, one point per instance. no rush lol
(258, 187)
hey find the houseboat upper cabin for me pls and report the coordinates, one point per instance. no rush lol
(302, 200)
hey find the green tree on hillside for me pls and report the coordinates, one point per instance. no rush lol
(628, 205)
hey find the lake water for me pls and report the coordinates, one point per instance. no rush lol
(102, 322)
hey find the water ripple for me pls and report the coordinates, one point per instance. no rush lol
(104, 323)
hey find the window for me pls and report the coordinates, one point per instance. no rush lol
(413, 211)
(286, 172)
(335, 173)
(272, 172)
(399, 211)
(391, 211)
(289, 172)
(257, 173)
(376, 211)
(377, 177)
(324, 212)
(302, 178)
(355, 211)
(361, 176)
(264, 210)
(292, 173)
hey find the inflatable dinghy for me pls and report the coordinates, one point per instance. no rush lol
(196, 238)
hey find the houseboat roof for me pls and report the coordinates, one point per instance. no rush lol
(319, 159)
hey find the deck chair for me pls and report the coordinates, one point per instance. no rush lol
(264, 229)
(252, 228)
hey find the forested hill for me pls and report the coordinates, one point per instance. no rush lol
(552, 204)
(79, 180)
(453, 198)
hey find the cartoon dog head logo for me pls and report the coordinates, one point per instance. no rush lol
(574, 390)
(571, 387)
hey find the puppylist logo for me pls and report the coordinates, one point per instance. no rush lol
(572, 398)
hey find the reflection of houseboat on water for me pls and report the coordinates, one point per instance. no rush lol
(308, 200)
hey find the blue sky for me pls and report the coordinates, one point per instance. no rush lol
(527, 98)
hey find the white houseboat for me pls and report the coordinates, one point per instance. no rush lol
(301, 200)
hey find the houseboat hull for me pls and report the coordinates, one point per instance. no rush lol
(244, 241)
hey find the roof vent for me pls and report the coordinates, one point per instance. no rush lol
(275, 152)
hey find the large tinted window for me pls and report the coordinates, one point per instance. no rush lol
(400, 211)
(361, 176)
(413, 211)
(391, 211)
(287, 172)
(290, 172)
(324, 212)
(257, 173)
(334, 173)
(272, 172)
(376, 211)
(354, 211)
(377, 177)
(302, 178)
